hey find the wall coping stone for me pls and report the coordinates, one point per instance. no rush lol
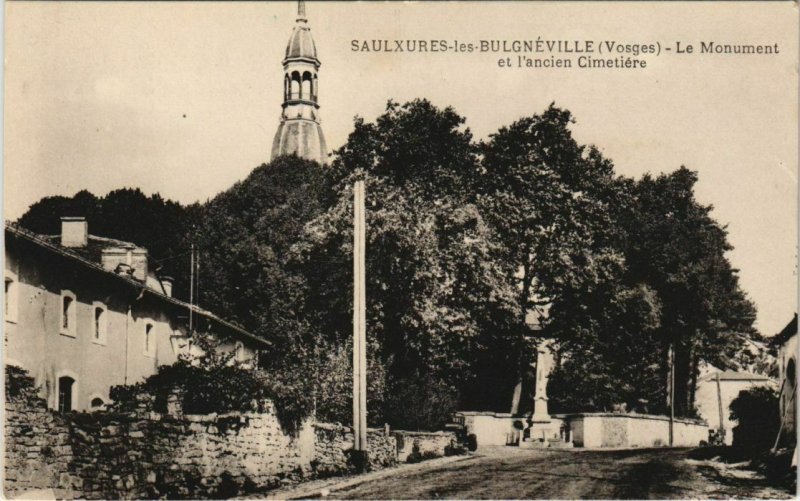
(424, 433)
(633, 415)
(486, 413)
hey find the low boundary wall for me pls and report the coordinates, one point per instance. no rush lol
(147, 455)
(633, 430)
(591, 429)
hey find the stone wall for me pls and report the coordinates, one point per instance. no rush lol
(143, 454)
(633, 430)
(37, 450)
(490, 428)
(334, 442)
(130, 455)
(427, 443)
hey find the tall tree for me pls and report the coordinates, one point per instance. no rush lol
(676, 247)
(546, 198)
(437, 293)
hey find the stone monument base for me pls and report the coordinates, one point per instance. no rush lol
(543, 434)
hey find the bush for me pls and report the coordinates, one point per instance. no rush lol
(211, 384)
(18, 383)
(203, 391)
(333, 387)
(421, 403)
(758, 415)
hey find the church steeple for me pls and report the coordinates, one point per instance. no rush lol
(300, 132)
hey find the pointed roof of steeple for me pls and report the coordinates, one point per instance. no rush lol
(301, 44)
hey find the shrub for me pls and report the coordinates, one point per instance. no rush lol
(333, 388)
(211, 383)
(758, 415)
(421, 403)
(18, 383)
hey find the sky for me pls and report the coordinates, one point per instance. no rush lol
(183, 99)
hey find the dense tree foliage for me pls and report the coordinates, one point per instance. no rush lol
(468, 244)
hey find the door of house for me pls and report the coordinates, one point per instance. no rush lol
(65, 393)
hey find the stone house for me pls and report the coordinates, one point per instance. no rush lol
(786, 342)
(715, 392)
(83, 313)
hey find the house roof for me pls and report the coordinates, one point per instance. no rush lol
(787, 332)
(93, 250)
(47, 243)
(736, 376)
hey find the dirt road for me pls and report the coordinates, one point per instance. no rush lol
(510, 473)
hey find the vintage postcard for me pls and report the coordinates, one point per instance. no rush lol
(400, 250)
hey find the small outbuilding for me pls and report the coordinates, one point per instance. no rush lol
(716, 391)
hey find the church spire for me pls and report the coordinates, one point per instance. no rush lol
(299, 132)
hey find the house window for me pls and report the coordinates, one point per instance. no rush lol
(149, 339)
(239, 352)
(10, 298)
(100, 323)
(66, 385)
(67, 322)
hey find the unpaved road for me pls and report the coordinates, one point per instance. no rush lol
(511, 473)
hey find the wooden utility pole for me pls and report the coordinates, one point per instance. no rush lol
(359, 328)
(719, 409)
(191, 294)
(671, 393)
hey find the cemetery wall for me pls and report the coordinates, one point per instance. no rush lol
(490, 428)
(633, 430)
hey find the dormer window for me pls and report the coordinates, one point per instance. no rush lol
(68, 321)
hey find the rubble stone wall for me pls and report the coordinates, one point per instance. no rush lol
(142, 454)
(37, 450)
(427, 443)
(333, 445)
(129, 455)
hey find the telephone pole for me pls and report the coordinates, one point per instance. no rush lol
(671, 394)
(359, 330)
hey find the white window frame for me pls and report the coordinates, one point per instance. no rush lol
(149, 345)
(11, 297)
(72, 314)
(99, 329)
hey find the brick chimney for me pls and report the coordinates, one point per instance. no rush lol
(74, 232)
